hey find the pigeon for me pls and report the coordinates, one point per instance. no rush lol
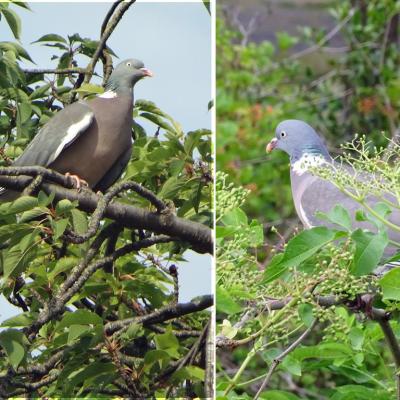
(313, 194)
(91, 141)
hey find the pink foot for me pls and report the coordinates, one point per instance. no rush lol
(78, 182)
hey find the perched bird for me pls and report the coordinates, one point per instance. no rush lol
(89, 140)
(312, 194)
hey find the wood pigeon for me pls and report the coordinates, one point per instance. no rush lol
(312, 194)
(89, 140)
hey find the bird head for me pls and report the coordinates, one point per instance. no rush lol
(126, 74)
(296, 138)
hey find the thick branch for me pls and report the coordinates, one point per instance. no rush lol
(57, 71)
(163, 314)
(197, 235)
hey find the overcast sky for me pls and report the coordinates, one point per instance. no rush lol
(173, 40)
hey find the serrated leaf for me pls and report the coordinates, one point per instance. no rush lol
(23, 203)
(64, 206)
(12, 341)
(59, 227)
(79, 317)
(299, 249)
(32, 214)
(79, 221)
(190, 372)
(20, 320)
(338, 215)
(63, 264)
(390, 284)
(75, 331)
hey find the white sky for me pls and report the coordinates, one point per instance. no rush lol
(173, 40)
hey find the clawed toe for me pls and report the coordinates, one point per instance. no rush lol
(78, 182)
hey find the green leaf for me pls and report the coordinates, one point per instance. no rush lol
(79, 221)
(89, 88)
(207, 5)
(192, 139)
(75, 331)
(23, 319)
(63, 264)
(285, 41)
(190, 372)
(13, 21)
(225, 303)
(390, 284)
(40, 92)
(23, 203)
(159, 121)
(156, 356)
(59, 227)
(235, 217)
(168, 342)
(278, 395)
(171, 187)
(25, 111)
(79, 317)
(32, 214)
(64, 205)
(292, 365)
(228, 330)
(356, 336)
(306, 314)
(299, 249)
(369, 251)
(339, 216)
(12, 341)
(359, 392)
(94, 369)
(50, 37)
(256, 234)
(17, 258)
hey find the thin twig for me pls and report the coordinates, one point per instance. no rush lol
(119, 12)
(277, 360)
(325, 39)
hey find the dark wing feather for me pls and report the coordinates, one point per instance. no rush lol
(114, 172)
(59, 133)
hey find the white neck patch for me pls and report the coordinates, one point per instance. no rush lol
(109, 94)
(306, 161)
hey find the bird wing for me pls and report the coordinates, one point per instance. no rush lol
(56, 135)
(314, 194)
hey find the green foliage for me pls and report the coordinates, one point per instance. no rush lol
(281, 285)
(36, 257)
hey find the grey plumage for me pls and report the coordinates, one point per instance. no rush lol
(312, 194)
(91, 139)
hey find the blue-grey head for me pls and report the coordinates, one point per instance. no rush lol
(126, 74)
(297, 138)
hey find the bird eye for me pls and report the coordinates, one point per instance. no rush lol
(128, 64)
(283, 134)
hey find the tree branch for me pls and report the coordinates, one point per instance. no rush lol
(277, 360)
(163, 314)
(197, 235)
(108, 30)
